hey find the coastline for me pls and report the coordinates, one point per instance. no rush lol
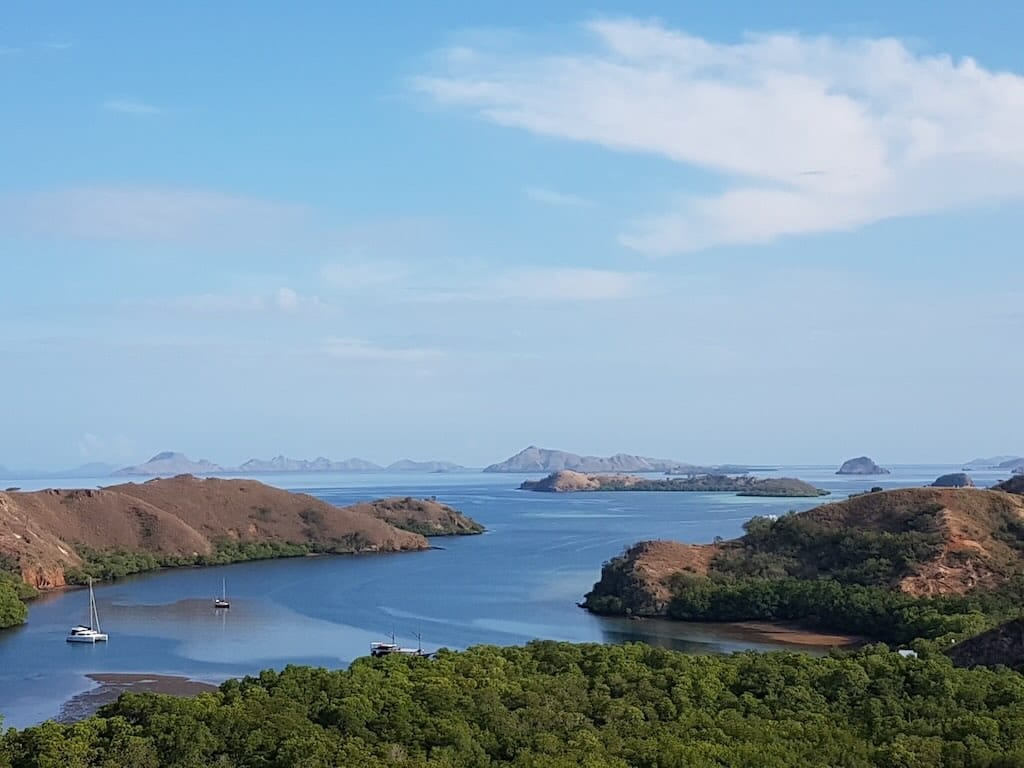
(108, 686)
(793, 634)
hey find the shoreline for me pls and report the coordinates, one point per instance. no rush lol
(793, 634)
(110, 685)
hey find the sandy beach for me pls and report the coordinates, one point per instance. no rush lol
(788, 633)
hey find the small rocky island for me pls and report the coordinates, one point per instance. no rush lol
(568, 481)
(861, 465)
(954, 480)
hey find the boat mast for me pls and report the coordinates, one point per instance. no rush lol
(94, 616)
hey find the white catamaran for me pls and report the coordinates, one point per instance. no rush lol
(222, 601)
(91, 633)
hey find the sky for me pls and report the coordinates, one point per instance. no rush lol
(749, 232)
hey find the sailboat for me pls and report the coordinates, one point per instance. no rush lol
(91, 633)
(222, 601)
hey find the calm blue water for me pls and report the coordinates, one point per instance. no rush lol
(518, 581)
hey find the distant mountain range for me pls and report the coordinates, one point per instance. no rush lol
(534, 459)
(170, 463)
(996, 462)
(174, 463)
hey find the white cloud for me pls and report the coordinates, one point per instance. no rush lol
(131, 107)
(359, 349)
(560, 199)
(810, 134)
(152, 214)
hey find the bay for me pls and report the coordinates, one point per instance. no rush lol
(517, 582)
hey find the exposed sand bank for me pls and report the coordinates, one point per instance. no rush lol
(110, 685)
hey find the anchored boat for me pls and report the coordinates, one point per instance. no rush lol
(90, 633)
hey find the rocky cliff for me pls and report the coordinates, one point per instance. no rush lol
(43, 532)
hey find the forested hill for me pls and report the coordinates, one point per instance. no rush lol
(552, 705)
(896, 565)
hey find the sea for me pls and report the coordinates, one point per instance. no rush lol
(519, 581)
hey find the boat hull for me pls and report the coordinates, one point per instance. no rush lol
(99, 637)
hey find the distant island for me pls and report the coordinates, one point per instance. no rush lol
(170, 463)
(568, 481)
(891, 565)
(993, 462)
(861, 465)
(53, 537)
(534, 459)
(954, 480)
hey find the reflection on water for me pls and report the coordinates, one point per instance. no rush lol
(519, 581)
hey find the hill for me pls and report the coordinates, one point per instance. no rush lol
(1000, 645)
(534, 459)
(567, 481)
(880, 564)
(425, 517)
(53, 536)
(861, 465)
(1011, 464)
(1014, 485)
(954, 480)
(170, 463)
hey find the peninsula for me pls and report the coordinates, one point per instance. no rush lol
(51, 537)
(893, 565)
(567, 481)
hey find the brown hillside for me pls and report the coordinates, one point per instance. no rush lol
(974, 533)
(422, 516)
(1001, 645)
(185, 516)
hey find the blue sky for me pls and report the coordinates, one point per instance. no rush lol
(783, 232)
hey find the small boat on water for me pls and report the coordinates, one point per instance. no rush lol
(222, 601)
(377, 650)
(91, 633)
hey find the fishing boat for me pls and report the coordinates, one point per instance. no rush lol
(90, 633)
(222, 601)
(379, 649)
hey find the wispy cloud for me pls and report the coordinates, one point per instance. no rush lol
(810, 134)
(360, 349)
(8, 50)
(282, 300)
(152, 214)
(560, 199)
(55, 45)
(553, 284)
(354, 274)
(546, 284)
(131, 107)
